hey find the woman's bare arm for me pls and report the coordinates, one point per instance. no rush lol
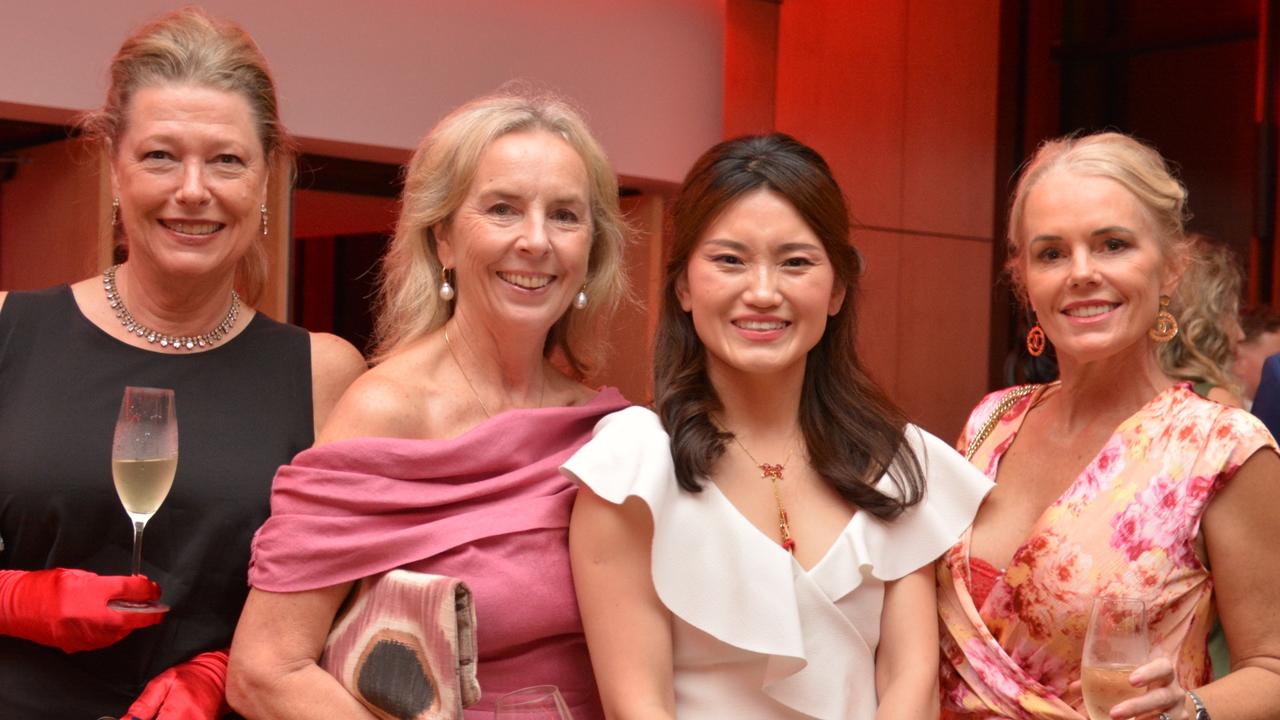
(907, 656)
(1242, 532)
(273, 671)
(628, 628)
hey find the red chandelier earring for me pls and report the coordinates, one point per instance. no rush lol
(1035, 340)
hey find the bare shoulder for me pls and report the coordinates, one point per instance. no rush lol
(386, 401)
(335, 364)
(1224, 396)
(335, 356)
(3, 295)
(566, 391)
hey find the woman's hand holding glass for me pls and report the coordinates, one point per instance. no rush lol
(1164, 696)
(67, 609)
(1116, 665)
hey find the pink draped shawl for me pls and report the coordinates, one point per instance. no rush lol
(489, 507)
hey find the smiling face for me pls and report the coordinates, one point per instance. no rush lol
(759, 287)
(1094, 266)
(519, 243)
(191, 175)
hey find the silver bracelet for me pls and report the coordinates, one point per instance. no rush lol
(1201, 712)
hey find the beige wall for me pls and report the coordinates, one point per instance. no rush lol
(369, 79)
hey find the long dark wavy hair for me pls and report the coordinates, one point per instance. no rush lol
(852, 432)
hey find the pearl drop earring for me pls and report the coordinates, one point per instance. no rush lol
(446, 290)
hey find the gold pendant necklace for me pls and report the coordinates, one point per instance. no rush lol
(542, 391)
(773, 473)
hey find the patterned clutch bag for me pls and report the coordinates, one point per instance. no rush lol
(404, 645)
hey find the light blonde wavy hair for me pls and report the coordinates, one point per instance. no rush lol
(436, 182)
(1207, 306)
(189, 46)
(1115, 156)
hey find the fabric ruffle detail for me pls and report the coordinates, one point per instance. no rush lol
(716, 571)
(353, 508)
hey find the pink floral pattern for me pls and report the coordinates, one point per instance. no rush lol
(1127, 525)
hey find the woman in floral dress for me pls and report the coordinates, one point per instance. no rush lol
(1115, 480)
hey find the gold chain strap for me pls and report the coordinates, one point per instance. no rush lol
(1006, 402)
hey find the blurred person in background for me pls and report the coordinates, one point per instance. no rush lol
(1207, 306)
(1260, 339)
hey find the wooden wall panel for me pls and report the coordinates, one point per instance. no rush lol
(276, 296)
(877, 305)
(900, 97)
(317, 212)
(52, 212)
(950, 118)
(629, 364)
(840, 89)
(750, 66)
(943, 321)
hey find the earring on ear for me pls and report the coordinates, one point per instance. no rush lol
(580, 300)
(1036, 340)
(1166, 325)
(115, 211)
(446, 290)
(263, 209)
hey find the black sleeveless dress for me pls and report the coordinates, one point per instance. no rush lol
(244, 408)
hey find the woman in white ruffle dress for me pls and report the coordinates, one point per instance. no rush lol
(762, 546)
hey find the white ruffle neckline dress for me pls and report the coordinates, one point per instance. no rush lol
(756, 635)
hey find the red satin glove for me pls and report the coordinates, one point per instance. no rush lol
(67, 609)
(193, 690)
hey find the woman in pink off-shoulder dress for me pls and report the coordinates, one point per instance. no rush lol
(443, 458)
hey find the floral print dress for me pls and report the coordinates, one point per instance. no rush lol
(1127, 525)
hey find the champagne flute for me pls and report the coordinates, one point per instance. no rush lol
(1114, 646)
(144, 456)
(540, 702)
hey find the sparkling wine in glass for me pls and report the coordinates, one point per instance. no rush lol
(144, 456)
(540, 702)
(1114, 646)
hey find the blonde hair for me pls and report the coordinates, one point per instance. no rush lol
(1207, 307)
(189, 46)
(1115, 156)
(436, 182)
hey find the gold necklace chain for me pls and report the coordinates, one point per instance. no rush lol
(449, 344)
(773, 473)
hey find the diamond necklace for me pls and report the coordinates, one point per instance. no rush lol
(773, 473)
(184, 342)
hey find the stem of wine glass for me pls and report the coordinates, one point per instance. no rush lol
(138, 527)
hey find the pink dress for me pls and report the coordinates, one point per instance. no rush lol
(489, 507)
(1126, 526)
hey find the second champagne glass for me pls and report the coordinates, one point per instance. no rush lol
(540, 702)
(1114, 646)
(144, 457)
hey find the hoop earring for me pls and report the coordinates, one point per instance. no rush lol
(115, 211)
(265, 216)
(1166, 326)
(446, 290)
(1035, 340)
(580, 300)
